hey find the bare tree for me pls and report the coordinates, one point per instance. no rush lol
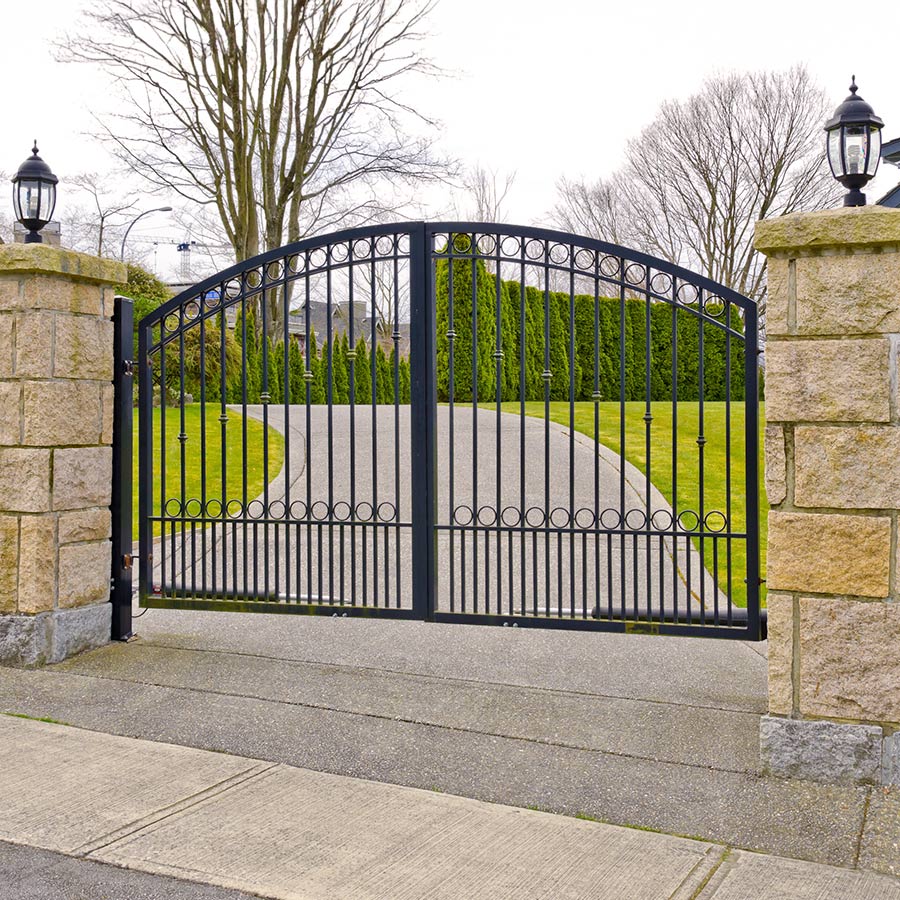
(592, 209)
(484, 193)
(746, 147)
(264, 109)
(95, 218)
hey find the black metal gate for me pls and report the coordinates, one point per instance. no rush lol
(454, 422)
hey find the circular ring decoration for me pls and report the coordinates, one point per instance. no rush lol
(320, 515)
(318, 257)
(686, 294)
(274, 270)
(384, 245)
(340, 252)
(684, 520)
(606, 523)
(462, 244)
(191, 310)
(387, 512)
(510, 245)
(342, 516)
(298, 509)
(440, 243)
(234, 509)
(253, 278)
(234, 288)
(486, 244)
(403, 245)
(630, 522)
(193, 508)
(462, 510)
(559, 254)
(535, 517)
(213, 508)
(585, 518)
(256, 509)
(481, 516)
(362, 247)
(555, 520)
(277, 509)
(171, 323)
(662, 520)
(714, 306)
(296, 263)
(213, 298)
(585, 259)
(172, 508)
(610, 266)
(635, 274)
(661, 283)
(507, 520)
(715, 521)
(534, 249)
(364, 511)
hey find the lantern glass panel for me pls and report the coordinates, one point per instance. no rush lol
(856, 144)
(834, 152)
(49, 203)
(874, 153)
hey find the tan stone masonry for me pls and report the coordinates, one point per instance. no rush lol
(832, 453)
(56, 369)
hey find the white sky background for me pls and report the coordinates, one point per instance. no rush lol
(543, 88)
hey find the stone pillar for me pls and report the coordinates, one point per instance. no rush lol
(56, 404)
(832, 450)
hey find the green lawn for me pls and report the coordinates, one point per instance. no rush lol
(714, 459)
(234, 461)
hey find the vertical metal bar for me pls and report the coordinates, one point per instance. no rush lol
(701, 445)
(523, 388)
(729, 527)
(648, 419)
(286, 399)
(751, 463)
(571, 542)
(145, 463)
(622, 510)
(373, 372)
(675, 449)
(163, 536)
(451, 397)
(423, 415)
(265, 396)
(499, 355)
(351, 354)
(547, 375)
(395, 335)
(308, 377)
(474, 257)
(329, 399)
(596, 398)
(122, 437)
(203, 576)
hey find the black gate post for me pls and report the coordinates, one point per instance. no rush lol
(423, 424)
(121, 508)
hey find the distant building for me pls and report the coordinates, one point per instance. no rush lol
(890, 153)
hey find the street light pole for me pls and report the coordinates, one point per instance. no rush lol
(135, 221)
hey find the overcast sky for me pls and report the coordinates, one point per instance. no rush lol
(542, 88)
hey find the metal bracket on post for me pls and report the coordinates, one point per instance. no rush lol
(121, 507)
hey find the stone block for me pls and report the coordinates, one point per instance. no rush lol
(62, 294)
(42, 259)
(7, 344)
(855, 294)
(34, 345)
(57, 413)
(24, 479)
(37, 564)
(820, 751)
(50, 637)
(829, 554)
(776, 465)
(84, 573)
(10, 395)
(780, 289)
(855, 227)
(107, 413)
(781, 652)
(84, 525)
(10, 292)
(828, 381)
(84, 348)
(890, 760)
(847, 467)
(82, 477)
(850, 667)
(9, 563)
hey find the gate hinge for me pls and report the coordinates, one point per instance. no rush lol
(128, 367)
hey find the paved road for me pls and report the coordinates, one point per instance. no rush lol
(545, 555)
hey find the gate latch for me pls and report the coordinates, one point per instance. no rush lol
(128, 367)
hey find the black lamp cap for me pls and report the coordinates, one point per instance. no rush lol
(34, 167)
(854, 111)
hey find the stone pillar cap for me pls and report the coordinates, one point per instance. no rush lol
(846, 227)
(42, 259)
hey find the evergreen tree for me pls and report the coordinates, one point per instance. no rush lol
(464, 362)
(276, 371)
(297, 393)
(363, 373)
(341, 375)
(316, 383)
(404, 380)
(385, 381)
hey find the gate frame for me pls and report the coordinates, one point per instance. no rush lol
(423, 402)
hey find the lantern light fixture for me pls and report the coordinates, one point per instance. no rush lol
(854, 145)
(34, 195)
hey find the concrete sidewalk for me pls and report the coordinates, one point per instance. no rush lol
(286, 832)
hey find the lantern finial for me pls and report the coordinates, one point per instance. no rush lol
(853, 87)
